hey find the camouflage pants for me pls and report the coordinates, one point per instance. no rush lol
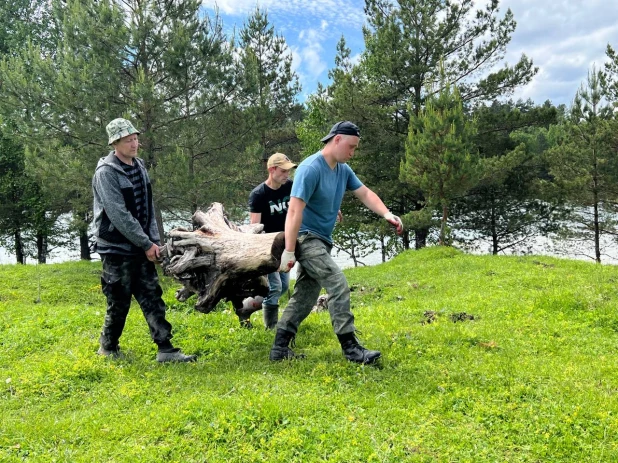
(126, 276)
(318, 270)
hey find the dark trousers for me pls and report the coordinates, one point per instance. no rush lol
(126, 276)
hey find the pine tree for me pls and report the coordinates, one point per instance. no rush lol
(440, 159)
(584, 166)
(26, 210)
(270, 85)
(162, 64)
(270, 89)
(506, 207)
(405, 41)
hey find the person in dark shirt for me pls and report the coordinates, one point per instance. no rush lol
(268, 205)
(127, 239)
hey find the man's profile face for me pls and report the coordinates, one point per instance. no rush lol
(346, 145)
(280, 175)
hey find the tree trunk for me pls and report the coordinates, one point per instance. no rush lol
(420, 234)
(597, 230)
(494, 231)
(84, 245)
(420, 237)
(221, 260)
(19, 247)
(41, 248)
(443, 225)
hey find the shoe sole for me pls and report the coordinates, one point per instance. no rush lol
(367, 361)
(111, 354)
(189, 360)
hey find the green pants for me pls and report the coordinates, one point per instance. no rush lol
(318, 270)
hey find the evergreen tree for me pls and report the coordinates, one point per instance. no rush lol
(19, 199)
(584, 165)
(405, 41)
(268, 100)
(506, 207)
(270, 85)
(162, 64)
(314, 124)
(440, 158)
(609, 78)
(29, 213)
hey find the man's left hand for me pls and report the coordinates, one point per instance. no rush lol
(394, 221)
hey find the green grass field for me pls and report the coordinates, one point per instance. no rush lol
(533, 377)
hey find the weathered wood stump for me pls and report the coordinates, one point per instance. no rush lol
(220, 260)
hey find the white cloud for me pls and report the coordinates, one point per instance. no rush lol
(565, 39)
(308, 58)
(331, 9)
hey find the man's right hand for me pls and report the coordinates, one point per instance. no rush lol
(288, 259)
(394, 221)
(153, 253)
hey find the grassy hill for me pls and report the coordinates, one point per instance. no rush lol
(486, 359)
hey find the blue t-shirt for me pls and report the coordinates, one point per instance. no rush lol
(322, 189)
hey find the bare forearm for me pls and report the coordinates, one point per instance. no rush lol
(292, 225)
(373, 202)
(255, 217)
(293, 222)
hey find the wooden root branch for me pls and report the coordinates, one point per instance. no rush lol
(221, 260)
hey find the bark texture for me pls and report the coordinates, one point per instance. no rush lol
(219, 260)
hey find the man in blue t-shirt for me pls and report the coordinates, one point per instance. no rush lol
(268, 205)
(319, 185)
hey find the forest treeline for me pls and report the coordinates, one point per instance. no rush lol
(442, 143)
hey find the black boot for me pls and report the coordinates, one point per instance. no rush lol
(280, 349)
(356, 353)
(271, 316)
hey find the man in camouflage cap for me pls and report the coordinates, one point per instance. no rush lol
(127, 239)
(119, 128)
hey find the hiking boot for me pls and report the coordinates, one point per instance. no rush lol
(271, 316)
(114, 354)
(356, 353)
(280, 350)
(174, 355)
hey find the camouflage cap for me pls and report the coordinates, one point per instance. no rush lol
(119, 128)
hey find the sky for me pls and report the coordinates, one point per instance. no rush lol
(564, 38)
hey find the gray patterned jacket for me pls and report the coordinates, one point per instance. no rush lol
(115, 221)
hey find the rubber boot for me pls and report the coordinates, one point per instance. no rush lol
(271, 316)
(280, 350)
(356, 353)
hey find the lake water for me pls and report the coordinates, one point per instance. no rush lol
(537, 246)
